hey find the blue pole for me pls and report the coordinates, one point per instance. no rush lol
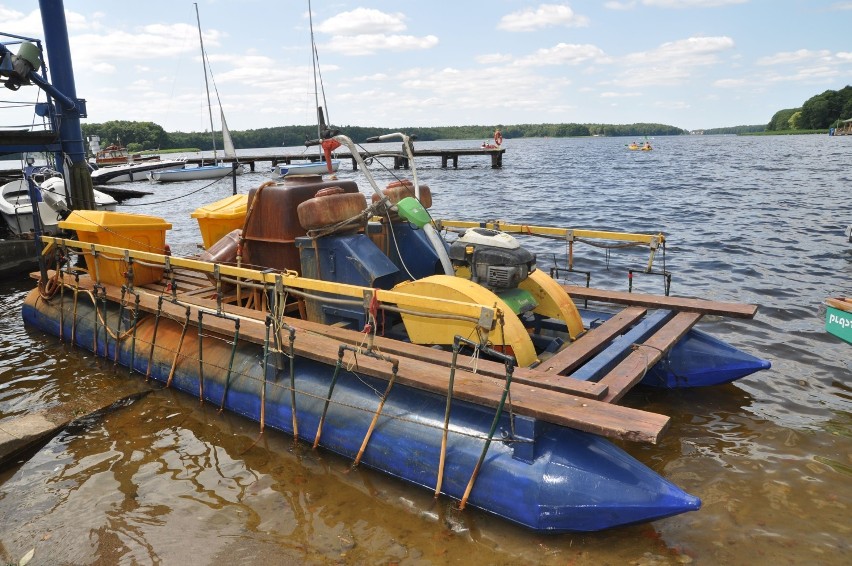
(62, 75)
(79, 181)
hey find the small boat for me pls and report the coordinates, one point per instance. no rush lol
(838, 317)
(312, 168)
(114, 154)
(218, 169)
(202, 172)
(383, 342)
(640, 147)
(130, 172)
(16, 207)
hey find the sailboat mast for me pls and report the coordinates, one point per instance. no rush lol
(314, 63)
(206, 86)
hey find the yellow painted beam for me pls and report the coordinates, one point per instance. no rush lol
(485, 313)
(530, 230)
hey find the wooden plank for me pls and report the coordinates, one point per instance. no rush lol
(577, 353)
(632, 369)
(572, 411)
(733, 310)
(840, 303)
(534, 377)
(601, 364)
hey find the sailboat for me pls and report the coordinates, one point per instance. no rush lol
(218, 169)
(325, 164)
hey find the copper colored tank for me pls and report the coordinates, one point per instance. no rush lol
(273, 223)
(223, 251)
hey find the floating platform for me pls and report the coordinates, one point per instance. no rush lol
(455, 365)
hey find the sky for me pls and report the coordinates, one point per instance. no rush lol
(693, 64)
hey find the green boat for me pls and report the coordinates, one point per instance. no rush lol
(838, 318)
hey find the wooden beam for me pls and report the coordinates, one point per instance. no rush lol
(632, 369)
(840, 303)
(559, 408)
(577, 353)
(534, 377)
(733, 310)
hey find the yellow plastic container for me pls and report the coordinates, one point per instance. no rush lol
(220, 218)
(122, 230)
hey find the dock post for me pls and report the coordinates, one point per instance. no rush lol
(443, 161)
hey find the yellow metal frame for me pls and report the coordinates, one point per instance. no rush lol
(423, 330)
(570, 235)
(553, 301)
(485, 315)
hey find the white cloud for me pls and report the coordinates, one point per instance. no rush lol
(798, 56)
(692, 3)
(493, 58)
(369, 44)
(546, 15)
(564, 54)
(684, 52)
(730, 83)
(103, 68)
(807, 76)
(152, 42)
(362, 21)
(613, 5)
(612, 94)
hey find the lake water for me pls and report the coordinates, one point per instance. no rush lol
(748, 219)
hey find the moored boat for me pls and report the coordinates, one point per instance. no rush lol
(16, 208)
(218, 169)
(202, 172)
(312, 168)
(130, 172)
(349, 333)
(114, 154)
(838, 317)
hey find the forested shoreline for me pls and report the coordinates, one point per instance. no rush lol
(817, 114)
(140, 136)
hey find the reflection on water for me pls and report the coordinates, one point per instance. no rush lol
(752, 219)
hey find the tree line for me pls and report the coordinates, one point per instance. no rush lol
(140, 136)
(819, 112)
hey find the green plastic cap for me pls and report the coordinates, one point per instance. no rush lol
(411, 209)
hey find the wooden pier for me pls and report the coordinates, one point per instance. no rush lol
(400, 161)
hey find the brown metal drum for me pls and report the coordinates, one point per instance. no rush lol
(273, 222)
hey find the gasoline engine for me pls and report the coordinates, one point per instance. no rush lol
(498, 262)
